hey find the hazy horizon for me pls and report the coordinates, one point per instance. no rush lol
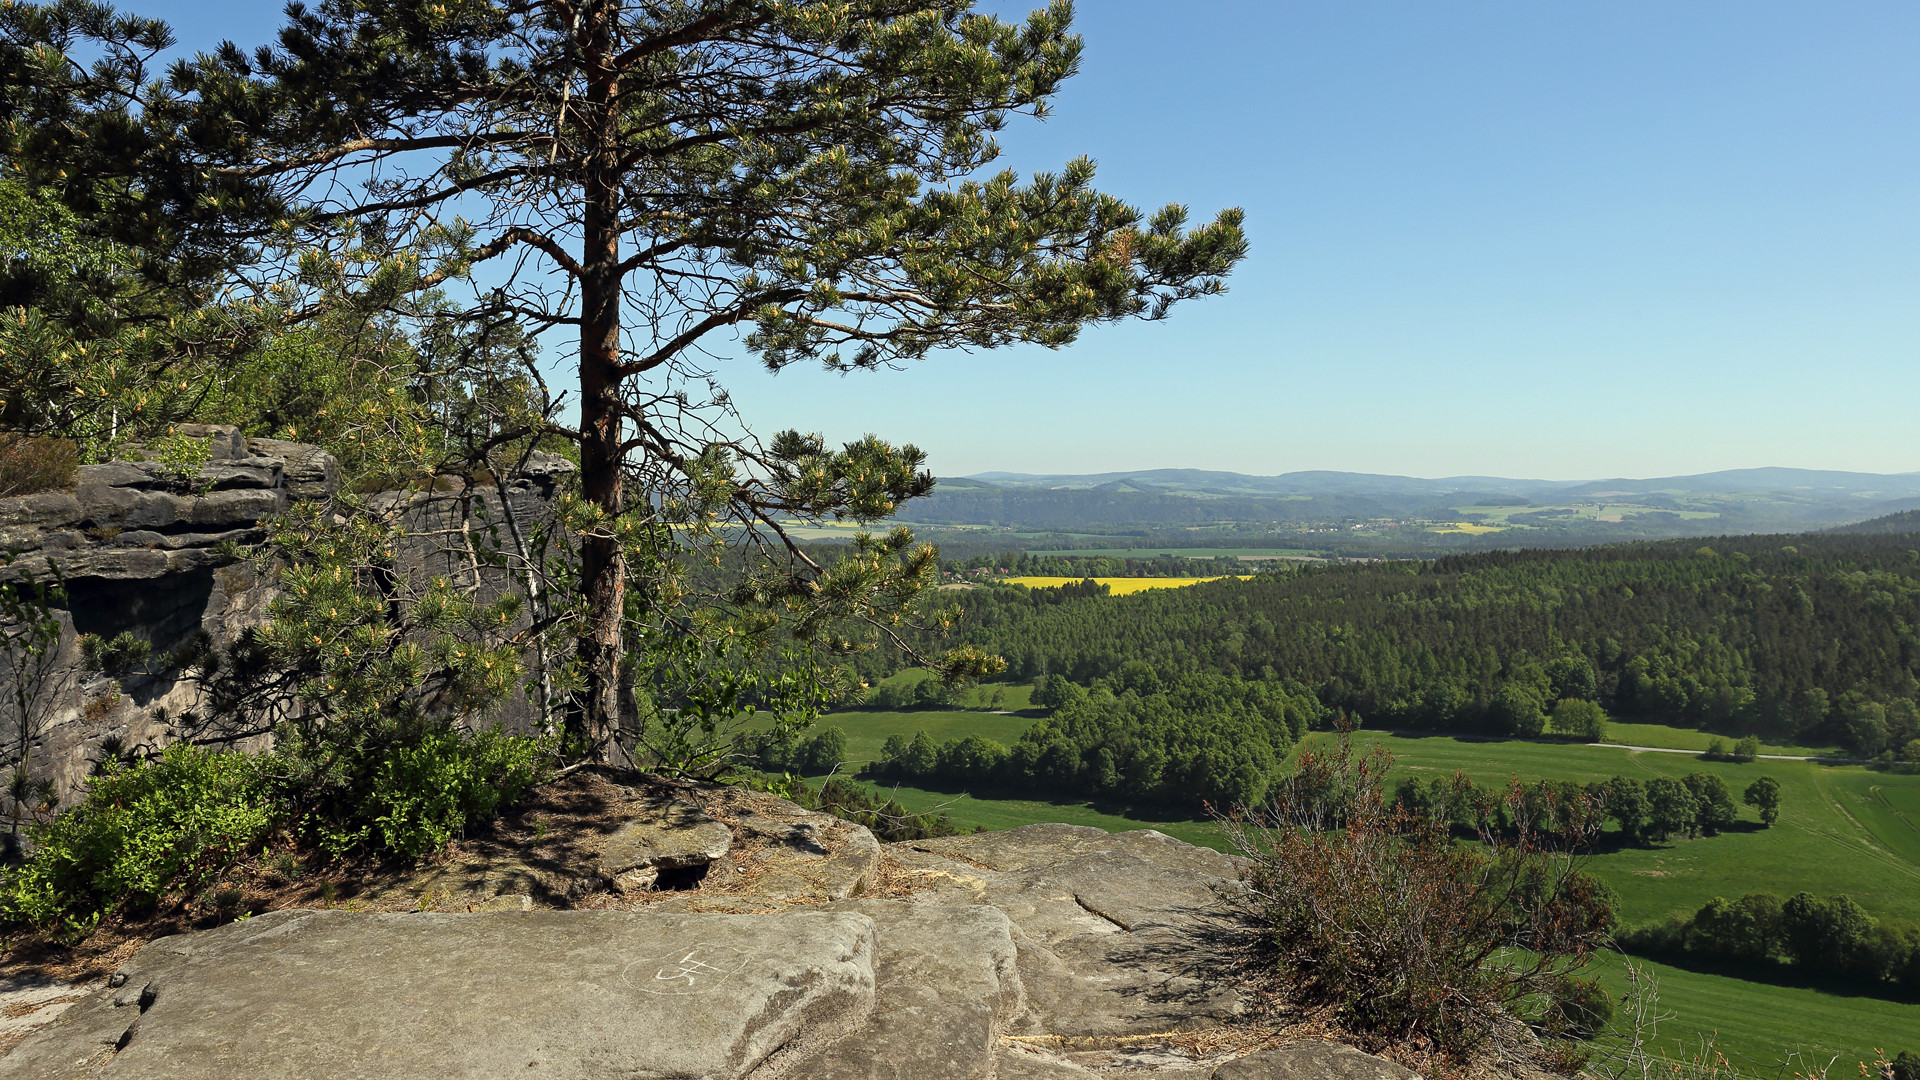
(985, 473)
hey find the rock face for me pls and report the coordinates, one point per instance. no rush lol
(1044, 953)
(142, 520)
(148, 549)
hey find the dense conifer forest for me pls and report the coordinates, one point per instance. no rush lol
(1812, 635)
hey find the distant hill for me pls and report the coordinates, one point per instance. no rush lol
(1811, 482)
(1450, 512)
(1907, 521)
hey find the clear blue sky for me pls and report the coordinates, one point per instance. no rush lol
(1526, 239)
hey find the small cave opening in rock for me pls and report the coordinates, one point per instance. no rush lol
(681, 878)
(166, 612)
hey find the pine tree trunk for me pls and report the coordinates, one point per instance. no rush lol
(603, 568)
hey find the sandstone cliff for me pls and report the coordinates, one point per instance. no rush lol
(147, 550)
(150, 550)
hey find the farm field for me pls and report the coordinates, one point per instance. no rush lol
(1679, 738)
(1842, 829)
(1748, 1018)
(1182, 553)
(1119, 586)
(867, 730)
(1010, 813)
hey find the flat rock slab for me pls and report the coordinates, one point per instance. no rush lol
(1313, 1061)
(578, 995)
(478, 884)
(947, 979)
(1113, 929)
(29, 1004)
(1031, 846)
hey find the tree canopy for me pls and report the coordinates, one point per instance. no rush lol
(638, 185)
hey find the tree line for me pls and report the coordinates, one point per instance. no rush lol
(1825, 938)
(1698, 804)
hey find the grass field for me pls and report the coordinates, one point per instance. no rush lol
(1008, 813)
(1119, 586)
(867, 730)
(1679, 738)
(1842, 828)
(1759, 1026)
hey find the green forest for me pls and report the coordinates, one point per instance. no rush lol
(1811, 636)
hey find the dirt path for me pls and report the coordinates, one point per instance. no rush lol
(1758, 757)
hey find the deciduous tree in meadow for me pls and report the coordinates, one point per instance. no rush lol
(1764, 795)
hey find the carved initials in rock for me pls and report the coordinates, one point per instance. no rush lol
(697, 970)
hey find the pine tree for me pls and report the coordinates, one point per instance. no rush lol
(651, 177)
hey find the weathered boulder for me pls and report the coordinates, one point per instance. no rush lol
(587, 995)
(669, 834)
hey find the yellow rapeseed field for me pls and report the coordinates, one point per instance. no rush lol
(1119, 586)
(1469, 527)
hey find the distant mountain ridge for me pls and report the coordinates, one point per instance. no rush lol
(1325, 482)
(1448, 512)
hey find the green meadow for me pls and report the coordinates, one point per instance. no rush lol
(1766, 1029)
(1842, 829)
(1679, 738)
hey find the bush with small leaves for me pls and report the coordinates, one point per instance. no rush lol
(1580, 718)
(1578, 1008)
(144, 832)
(427, 794)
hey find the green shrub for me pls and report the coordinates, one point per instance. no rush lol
(426, 794)
(1409, 935)
(145, 831)
(1580, 718)
(29, 466)
(1579, 1008)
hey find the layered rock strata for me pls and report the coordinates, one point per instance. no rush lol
(149, 549)
(154, 550)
